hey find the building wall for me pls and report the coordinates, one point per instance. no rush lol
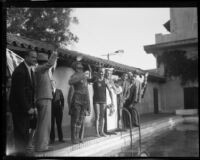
(147, 103)
(183, 20)
(172, 96)
(183, 25)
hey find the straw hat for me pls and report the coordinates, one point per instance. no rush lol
(77, 64)
(42, 56)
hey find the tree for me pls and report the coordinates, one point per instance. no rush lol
(45, 24)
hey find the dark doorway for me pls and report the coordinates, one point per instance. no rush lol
(155, 98)
(191, 98)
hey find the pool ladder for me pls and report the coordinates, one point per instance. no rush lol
(141, 153)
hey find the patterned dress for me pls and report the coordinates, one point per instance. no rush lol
(80, 100)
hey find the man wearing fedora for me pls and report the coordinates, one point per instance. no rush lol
(44, 98)
(79, 102)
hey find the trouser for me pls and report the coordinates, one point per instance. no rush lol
(43, 128)
(134, 117)
(56, 117)
(99, 110)
(77, 122)
(119, 109)
(21, 132)
(126, 120)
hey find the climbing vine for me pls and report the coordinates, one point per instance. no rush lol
(178, 65)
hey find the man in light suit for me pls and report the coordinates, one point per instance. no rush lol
(43, 100)
(22, 101)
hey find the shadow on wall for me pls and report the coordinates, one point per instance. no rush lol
(62, 76)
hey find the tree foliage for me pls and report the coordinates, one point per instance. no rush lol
(178, 65)
(44, 24)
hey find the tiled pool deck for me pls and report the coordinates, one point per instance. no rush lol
(94, 146)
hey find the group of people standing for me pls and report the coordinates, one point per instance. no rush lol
(36, 104)
(129, 90)
(133, 89)
(33, 99)
(79, 102)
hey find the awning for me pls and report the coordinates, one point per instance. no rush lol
(13, 60)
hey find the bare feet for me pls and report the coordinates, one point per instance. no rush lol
(102, 134)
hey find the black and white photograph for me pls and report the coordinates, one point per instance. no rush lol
(101, 81)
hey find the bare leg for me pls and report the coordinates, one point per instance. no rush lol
(97, 111)
(102, 119)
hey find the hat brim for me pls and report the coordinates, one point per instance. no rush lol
(42, 60)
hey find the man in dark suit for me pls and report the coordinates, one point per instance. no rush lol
(57, 113)
(133, 98)
(124, 83)
(22, 101)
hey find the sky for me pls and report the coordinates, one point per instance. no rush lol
(106, 30)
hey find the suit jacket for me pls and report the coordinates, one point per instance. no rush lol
(125, 87)
(58, 100)
(43, 82)
(22, 90)
(138, 86)
(134, 95)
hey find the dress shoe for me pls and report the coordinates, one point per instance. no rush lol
(121, 129)
(62, 141)
(75, 141)
(98, 135)
(45, 150)
(135, 125)
(103, 134)
(81, 141)
(51, 142)
(30, 153)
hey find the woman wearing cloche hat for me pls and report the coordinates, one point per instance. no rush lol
(80, 104)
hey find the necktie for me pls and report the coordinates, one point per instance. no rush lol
(32, 76)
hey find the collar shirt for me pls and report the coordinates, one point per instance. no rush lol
(140, 79)
(54, 90)
(29, 69)
(50, 74)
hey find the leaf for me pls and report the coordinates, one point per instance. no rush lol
(34, 23)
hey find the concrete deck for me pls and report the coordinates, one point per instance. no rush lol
(94, 146)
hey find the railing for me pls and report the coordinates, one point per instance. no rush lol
(138, 118)
(130, 122)
(141, 153)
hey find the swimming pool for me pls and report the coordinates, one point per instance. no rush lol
(181, 140)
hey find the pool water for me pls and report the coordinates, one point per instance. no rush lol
(181, 140)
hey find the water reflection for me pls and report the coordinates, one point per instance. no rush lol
(181, 140)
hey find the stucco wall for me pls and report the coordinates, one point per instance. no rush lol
(183, 20)
(183, 25)
(172, 96)
(147, 103)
